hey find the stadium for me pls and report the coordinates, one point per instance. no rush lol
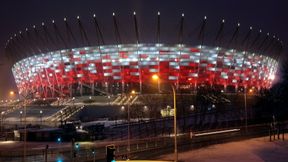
(134, 64)
(47, 64)
(68, 71)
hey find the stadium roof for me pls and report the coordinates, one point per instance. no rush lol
(90, 31)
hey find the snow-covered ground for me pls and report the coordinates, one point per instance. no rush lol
(252, 150)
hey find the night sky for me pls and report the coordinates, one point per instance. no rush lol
(15, 15)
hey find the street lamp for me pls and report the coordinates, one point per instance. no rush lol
(25, 97)
(128, 111)
(192, 107)
(122, 108)
(213, 106)
(155, 77)
(145, 108)
(133, 92)
(245, 105)
(11, 93)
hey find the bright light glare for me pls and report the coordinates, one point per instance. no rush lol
(272, 77)
(59, 159)
(11, 92)
(155, 77)
(133, 92)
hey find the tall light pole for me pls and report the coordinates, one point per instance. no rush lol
(41, 112)
(155, 77)
(25, 130)
(128, 111)
(25, 97)
(2, 113)
(61, 117)
(145, 109)
(133, 92)
(21, 112)
(245, 105)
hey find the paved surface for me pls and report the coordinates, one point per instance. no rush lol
(252, 150)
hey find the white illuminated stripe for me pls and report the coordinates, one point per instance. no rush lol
(217, 132)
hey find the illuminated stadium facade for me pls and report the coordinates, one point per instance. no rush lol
(45, 68)
(135, 64)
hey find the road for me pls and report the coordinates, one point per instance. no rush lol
(145, 148)
(251, 150)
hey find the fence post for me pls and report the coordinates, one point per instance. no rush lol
(270, 133)
(46, 152)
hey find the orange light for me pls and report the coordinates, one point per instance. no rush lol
(11, 92)
(155, 77)
(133, 92)
(250, 90)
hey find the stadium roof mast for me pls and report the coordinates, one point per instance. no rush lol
(234, 36)
(219, 34)
(17, 47)
(100, 40)
(246, 39)
(9, 51)
(48, 38)
(180, 42)
(116, 30)
(99, 34)
(21, 45)
(254, 42)
(217, 41)
(201, 38)
(271, 43)
(69, 34)
(84, 39)
(158, 28)
(59, 38)
(41, 42)
(181, 30)
(83, 32)
(277, 48)
(32, 40)
(158, 43)
(202, 31)
(24, 42)
(139, 57)
(136, 27)
(263, 42)
(58, 34)
(118, 41)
